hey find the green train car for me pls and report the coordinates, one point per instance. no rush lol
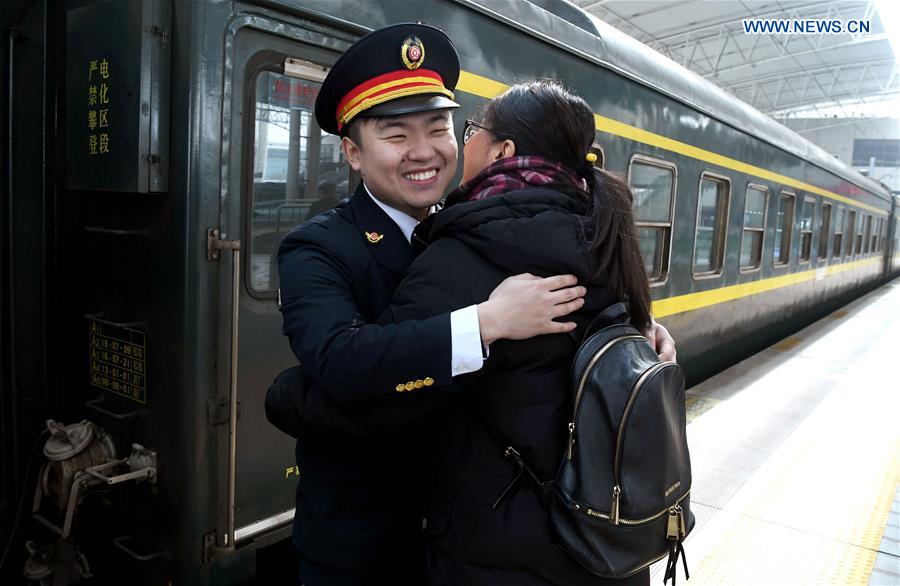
(160, 149)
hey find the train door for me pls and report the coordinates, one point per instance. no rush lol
(279, 170)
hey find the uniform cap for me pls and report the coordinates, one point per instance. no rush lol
(398, 69)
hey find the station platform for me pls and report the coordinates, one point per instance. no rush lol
(796, 457)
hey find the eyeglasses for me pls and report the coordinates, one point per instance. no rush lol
(471, 128)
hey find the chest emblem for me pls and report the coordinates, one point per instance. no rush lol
(374, 237)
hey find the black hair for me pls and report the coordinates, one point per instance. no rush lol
(353, 131)
(544, 119)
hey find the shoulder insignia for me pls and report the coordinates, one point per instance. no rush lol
(374, 237)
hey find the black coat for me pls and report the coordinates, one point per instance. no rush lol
(522, 396)
(357, 498)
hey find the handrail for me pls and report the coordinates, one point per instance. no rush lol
(214, 245)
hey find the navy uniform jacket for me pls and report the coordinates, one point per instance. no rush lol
(358, 499)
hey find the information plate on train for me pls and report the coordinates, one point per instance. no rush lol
(116, 88)
(119, 360)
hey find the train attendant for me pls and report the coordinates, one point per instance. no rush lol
(530, 201)
(358, 514)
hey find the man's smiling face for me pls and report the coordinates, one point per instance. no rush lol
(406, 161)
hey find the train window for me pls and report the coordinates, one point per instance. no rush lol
(824, 230)
(754, 227)
(784, 227)
(874, 233)
(806, 229)
(857, 247)
(851, 232)
(867, 239)
(653, 184)
(298, 169)
(839, 216)
(712, 222)
(876, 237)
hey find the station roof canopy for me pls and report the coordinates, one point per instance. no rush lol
(781, 75)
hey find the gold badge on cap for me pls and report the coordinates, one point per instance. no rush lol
(374, 237)
(412, 52)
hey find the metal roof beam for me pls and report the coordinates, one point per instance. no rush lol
(870, 10)
(824, 95)
(595, 4)
(721, 52)
(705, 58)
(826, 68)
(726, 28)
(813, 76)
(748, 63)
(633, 26)
(890, 77)
(837, 73)
(778, 93)
(737, 46)
(861, 79)
(835, 102)
(805, 90)
(795, 108)
(690, 60)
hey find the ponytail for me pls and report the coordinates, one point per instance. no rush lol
(615, 243)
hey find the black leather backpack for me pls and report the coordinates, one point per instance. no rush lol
(622, 494)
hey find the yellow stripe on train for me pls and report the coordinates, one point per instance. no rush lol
(701, 299)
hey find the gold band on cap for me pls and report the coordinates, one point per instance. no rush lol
(387, 87)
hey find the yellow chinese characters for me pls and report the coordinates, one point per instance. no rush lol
(98, 94)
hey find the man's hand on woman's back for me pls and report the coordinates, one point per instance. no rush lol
(524, 306)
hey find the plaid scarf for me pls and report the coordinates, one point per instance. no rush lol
(514, 173)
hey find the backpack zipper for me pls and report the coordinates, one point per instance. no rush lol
(673, 509)
(620, 435)
(583, 381)
(632, 397)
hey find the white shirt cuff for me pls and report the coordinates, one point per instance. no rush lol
(465, 337)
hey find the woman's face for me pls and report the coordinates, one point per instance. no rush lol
(481, 151)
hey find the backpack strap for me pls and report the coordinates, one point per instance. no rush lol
(521, 467)
(617, 313)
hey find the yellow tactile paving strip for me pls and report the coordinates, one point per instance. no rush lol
(787, 344)
(697, 406)
(815, 511)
